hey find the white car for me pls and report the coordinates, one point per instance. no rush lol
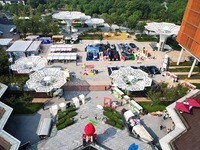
(13, 30)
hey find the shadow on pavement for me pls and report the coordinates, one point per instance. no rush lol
(24, 127)
(107, 135)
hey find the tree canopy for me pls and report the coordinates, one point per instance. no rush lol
(126, 12)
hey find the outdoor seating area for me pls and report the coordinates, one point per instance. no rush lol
(187, 105)
(61, 57)
(127, 78)
(60, 48)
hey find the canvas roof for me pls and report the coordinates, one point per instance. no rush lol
(19, 46)
(5, 41)
(34, 46)
(32, 37)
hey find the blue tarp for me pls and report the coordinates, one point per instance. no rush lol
(92, 52)
(91, 48)
(45, 40)
(133, 147)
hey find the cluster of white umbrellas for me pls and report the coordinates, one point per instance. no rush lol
(46, 79)
(130, 79)
(41, 79)
(29, 64)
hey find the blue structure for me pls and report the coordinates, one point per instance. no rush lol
(46, 40)
(133, 147)
(92, 52)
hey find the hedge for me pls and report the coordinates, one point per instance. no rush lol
(63, 114)
(110, 121)
(72, 114)
(119, 126)
(67, 122)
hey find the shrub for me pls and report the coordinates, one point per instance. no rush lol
(110, 121)
(107, 109)
(107, 114)
(61, 115)
(117, 115)
(72, 114)
(119, 126)
(120, 122)
(71, 108)
(61, 121)
(68, 122)
(60, 126)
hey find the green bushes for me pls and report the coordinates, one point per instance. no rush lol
(113, 118)
(67, 122)
(66, 118)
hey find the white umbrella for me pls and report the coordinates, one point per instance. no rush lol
(29, 64)
(46, 79)
(130, 79)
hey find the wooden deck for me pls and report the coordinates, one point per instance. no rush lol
(190, 140)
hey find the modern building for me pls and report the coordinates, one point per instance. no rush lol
(189, 33)
(185, 135)
(7, 141)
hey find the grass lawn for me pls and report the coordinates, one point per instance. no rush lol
(149, 108)
(197, 85)
(196, 69)
(187, 63)
(194, 76)
(20, 108)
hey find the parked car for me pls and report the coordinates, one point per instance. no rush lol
(112, 47)
(13, 30)
(133, 46)
(114, 55)
(126, 55)
(144, 68)
(1, 32)
(153, 70)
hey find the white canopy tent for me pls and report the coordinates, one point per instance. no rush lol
(29, 64)
(94, 22)
(19, 46)
(142, 132)
(62, 56)
(6, 41)
(61, 48)
(46, 79)
(128, 114)
(68, 16)
(32, 37)
(130, 79)
(35, 45)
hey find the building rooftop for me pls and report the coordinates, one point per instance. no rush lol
(7, 141)
(190, 139)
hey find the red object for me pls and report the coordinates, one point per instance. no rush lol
(123, 58)
(89, 129)
(107, 102)
(89, 66)
(193, 102)
(182, 107)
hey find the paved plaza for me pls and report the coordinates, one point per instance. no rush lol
(24, 127)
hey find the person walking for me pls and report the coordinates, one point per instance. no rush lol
(95, 117)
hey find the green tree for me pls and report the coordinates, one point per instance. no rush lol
(54, 27)
(154, 96)
(4, 69)
(26, 99)
(34, 24)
